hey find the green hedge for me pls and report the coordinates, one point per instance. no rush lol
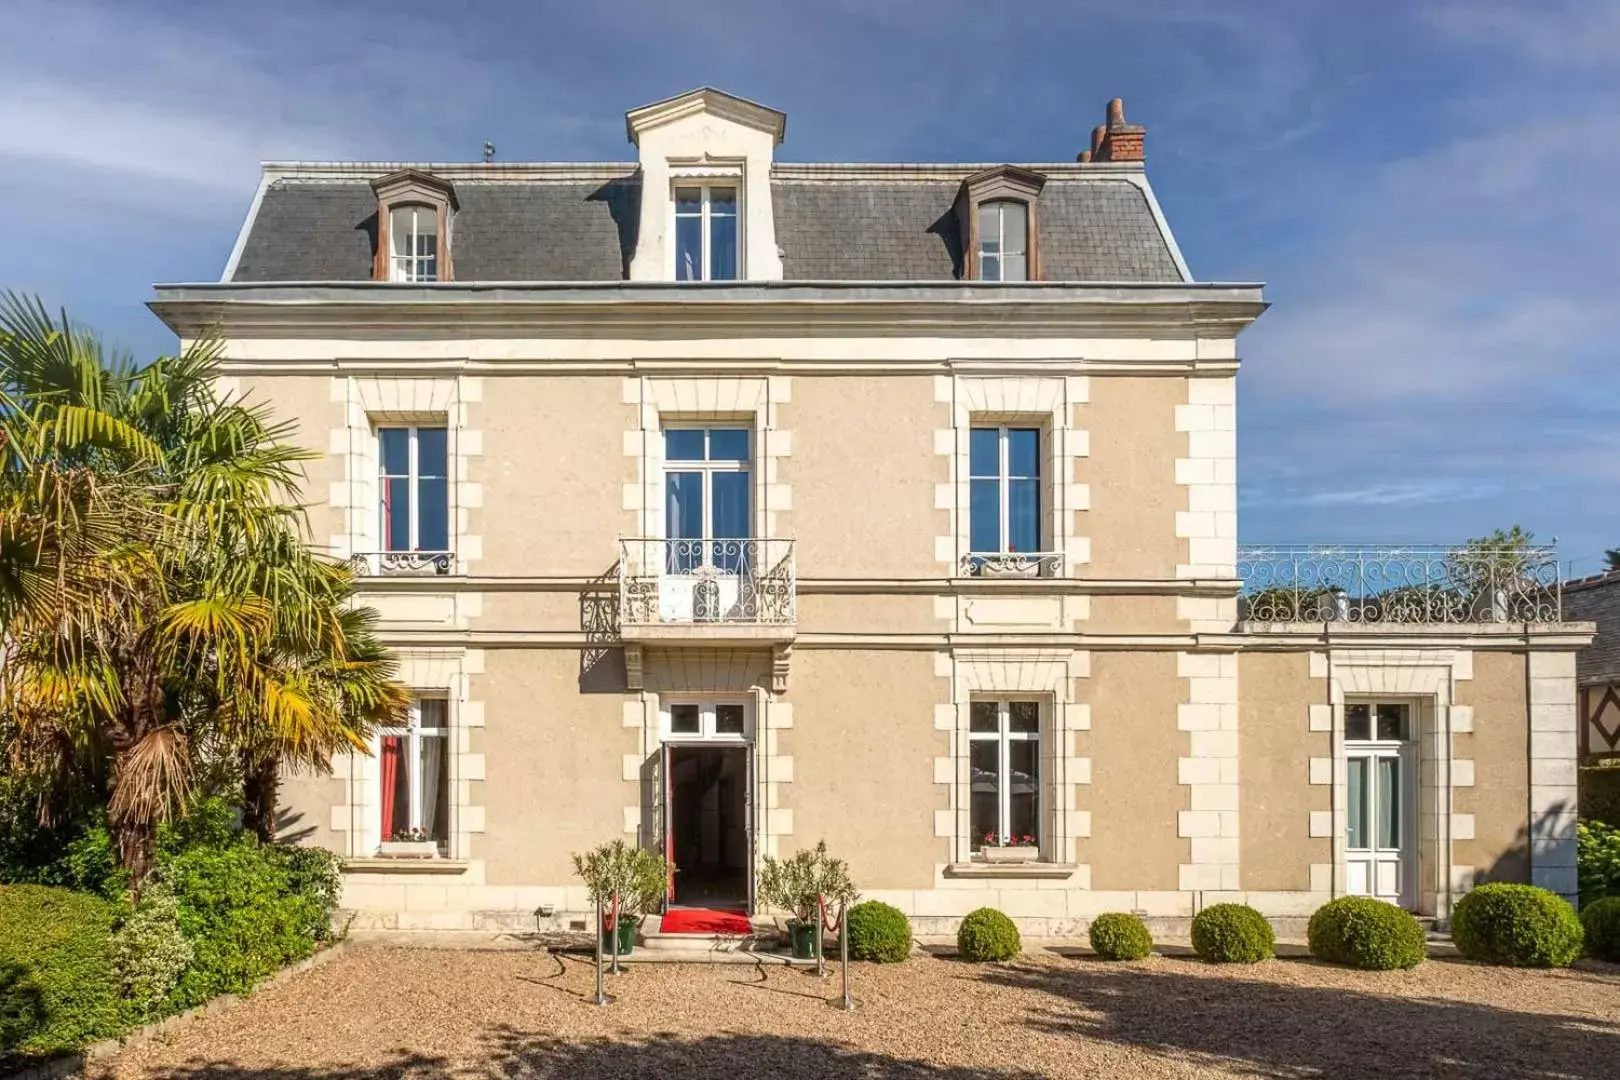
(1366, 933)
(1599, 794)
(1118, 935)
(1233, 934)
(58, 986)
(1597, 848)
(1516, 925)
(878, 932)
(987, 935)
(241, 909)
(1600, 921)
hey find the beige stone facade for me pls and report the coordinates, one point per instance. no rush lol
(1182, 757)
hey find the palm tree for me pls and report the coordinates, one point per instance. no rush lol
(159, 603)
(320, 686)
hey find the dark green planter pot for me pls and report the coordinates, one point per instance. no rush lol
(627, 939)
(802, 935)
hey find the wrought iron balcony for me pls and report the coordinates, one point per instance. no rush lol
(1426, 585)
(403, 563)
(732, 587)
(1012, 564)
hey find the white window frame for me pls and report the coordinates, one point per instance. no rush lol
(407, 268)
(709, 468)
(1000, 207)
(413, 478)
(413, 733)
(707, 714)
(1004, 479)
(707, 186)
(1004, 737)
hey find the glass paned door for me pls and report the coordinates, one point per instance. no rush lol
(708, 520)
(1380, 846)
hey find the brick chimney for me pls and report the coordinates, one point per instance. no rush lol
(1116, 140)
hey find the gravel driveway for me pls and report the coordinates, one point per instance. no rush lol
(379, 1013)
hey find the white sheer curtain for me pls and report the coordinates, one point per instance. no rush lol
(432, 768)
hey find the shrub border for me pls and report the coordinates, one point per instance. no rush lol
(74, 1064)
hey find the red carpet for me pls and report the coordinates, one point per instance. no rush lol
(706, 921)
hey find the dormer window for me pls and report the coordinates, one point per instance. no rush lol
(1003, 241)
(706, 233)
(996, 210)
(413, 235)
(414, 211)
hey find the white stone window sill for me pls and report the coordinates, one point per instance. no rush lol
(1048, 870)
(385, 864)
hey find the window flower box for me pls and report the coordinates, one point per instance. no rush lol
(409, 844)
(1017, 848)
(1012, 853)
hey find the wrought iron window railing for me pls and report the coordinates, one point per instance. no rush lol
(1420, 584)
(714, 580)
(404, 563)
(1012, 564)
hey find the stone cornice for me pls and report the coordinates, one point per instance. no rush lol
(660, 309)
(408, 583)
(1562, 637)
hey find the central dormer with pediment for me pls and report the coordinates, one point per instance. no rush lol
(706, 210)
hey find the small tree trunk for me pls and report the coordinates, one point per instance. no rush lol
(137, 850)
(261, 784)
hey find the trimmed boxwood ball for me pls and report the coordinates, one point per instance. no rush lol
(1233, 934)
(1366, 933)
(878, 932)
(1516, 925)
(987, 934)
(1119, 935)
(1601, 921)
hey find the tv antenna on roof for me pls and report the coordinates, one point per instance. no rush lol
(489, 151)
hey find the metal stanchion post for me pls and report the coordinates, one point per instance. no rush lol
(848, 1002)
(821, 954)
(602, 998)
(615, 938)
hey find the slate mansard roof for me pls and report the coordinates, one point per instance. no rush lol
(833, 223)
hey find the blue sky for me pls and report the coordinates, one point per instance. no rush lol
(1427, 187)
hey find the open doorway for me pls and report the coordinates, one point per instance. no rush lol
(708, 825)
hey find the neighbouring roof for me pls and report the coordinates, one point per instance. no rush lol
(1596, 599)
(866, 226)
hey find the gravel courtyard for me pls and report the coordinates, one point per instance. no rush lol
(377, 1013)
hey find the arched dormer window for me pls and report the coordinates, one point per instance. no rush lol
(414, 211)
(996, 210)
(1003, 240)
(413, 243)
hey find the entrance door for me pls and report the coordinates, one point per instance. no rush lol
(709, 838)
(1380, 846)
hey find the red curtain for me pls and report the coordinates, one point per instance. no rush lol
(390, 780)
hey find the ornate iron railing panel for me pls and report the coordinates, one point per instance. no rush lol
(404, 563)
(1011, 564)
(747, 582)
(1373, 584)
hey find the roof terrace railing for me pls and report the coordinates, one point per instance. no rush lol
(1424, 584)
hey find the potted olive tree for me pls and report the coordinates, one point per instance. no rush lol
(798, 884)
(637, 876)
